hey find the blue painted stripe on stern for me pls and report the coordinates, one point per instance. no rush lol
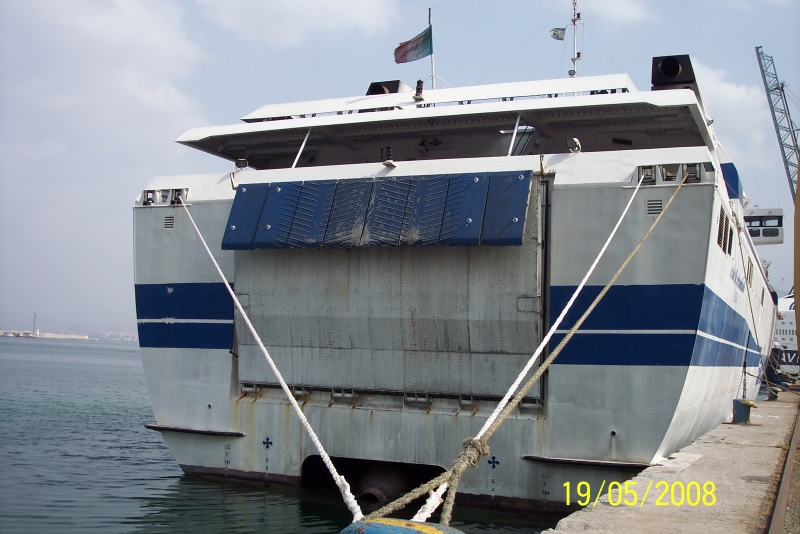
(660, 309)
(186, 335)
(656, 307)
(183, 301)
(626, 349)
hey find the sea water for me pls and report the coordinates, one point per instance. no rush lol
(75, 457)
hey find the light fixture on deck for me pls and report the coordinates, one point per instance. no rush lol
(418, 95)
(241, 164)
(573, 145)
(388, 162)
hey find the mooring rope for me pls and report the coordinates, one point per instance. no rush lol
(764, 379)
(430, 506)
(476, 448)
(340, 481)
(739, 233)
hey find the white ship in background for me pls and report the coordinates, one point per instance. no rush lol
(786, 333)
(402, 254)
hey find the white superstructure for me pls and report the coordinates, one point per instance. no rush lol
(402, 257)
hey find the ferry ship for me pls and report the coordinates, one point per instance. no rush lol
(403, 253)
(786, 334)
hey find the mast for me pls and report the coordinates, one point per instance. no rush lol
(575, 54)
(433, 72)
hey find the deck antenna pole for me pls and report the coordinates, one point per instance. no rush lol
(575, 54)
(433, 71)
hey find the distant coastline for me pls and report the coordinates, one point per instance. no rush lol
(59, 335)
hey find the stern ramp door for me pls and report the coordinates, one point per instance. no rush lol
(417, 284)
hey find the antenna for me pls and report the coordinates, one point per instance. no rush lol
(433, 71)
(575, 54)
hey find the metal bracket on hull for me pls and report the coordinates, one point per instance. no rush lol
(164, 428)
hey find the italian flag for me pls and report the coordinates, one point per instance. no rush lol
(417, 48)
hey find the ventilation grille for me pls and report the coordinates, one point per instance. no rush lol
(654, 207)
(169, 222)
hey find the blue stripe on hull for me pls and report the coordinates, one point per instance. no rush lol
(186, 335)
(722, 321)
(711, 353)
(626, 349)
(665, 307)
(183, 301)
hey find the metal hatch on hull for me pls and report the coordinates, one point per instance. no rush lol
(380, 315)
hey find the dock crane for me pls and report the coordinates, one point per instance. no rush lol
(784, 127)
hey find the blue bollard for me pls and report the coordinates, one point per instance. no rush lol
(387, 525)
(741, 411)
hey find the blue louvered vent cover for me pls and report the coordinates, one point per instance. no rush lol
(446, 209)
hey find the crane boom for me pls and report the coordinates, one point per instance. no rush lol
(784, 127)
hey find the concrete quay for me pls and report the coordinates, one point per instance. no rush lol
(745, 463)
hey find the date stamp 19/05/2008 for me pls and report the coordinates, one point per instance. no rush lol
(627, 493)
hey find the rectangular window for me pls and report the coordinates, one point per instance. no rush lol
(721, 227)
(725, 233)
(730, 241)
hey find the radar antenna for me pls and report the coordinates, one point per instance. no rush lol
(784, 127)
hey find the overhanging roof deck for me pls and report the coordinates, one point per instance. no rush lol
(671, 113)
(441, 97)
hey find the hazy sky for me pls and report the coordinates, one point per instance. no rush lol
(94, 92)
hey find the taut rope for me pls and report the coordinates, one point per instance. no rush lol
(340, 481)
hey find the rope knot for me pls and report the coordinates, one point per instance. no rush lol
(474, 450)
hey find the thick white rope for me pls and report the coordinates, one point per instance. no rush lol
(556, 324)
(430, 506)
(344, 487)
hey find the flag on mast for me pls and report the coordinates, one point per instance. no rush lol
(558, 33)
(417, 48)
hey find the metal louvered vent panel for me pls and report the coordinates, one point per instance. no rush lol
(169, 222)
(654, 207)
(447, 209)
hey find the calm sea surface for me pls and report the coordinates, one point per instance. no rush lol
(75, 457)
